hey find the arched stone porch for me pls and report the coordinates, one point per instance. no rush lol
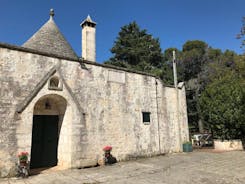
(49, 112)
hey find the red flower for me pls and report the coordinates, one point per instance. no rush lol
(107, 148)
(23, 156)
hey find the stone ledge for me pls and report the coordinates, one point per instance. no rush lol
(228, 145)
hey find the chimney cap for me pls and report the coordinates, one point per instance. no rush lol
(88, 20)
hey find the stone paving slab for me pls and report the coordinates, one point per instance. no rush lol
(182, 168)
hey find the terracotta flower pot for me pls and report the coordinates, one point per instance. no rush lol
(23, 162)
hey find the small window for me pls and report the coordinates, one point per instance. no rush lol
(146, 117)
(54, 82)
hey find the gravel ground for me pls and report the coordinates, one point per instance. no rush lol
(199, 167)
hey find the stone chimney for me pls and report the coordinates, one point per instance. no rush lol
(88, 39)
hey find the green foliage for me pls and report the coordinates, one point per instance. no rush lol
(229, 57)
(136, 49)
(222, 104)
(218, 63)
(201, 65)
(198, 45)
(240, 67)
(193, 58)
(215, 80)
(214, 54)
(134, 46)
(23, 156)
(168, 54)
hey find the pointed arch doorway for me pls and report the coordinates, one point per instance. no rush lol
(48, 116)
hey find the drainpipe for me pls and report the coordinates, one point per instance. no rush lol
(158, 123)
(178, 115)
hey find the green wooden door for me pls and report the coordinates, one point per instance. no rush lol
(44, 141)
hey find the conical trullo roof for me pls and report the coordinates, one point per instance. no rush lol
(49, 39)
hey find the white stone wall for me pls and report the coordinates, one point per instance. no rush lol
(114, 112)
(104, 107)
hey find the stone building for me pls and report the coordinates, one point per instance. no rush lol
(63, 109)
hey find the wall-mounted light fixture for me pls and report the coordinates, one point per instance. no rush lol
(47, 104)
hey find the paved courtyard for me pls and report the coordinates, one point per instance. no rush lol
(184, 168)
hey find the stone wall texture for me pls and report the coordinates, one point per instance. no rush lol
(97, 106)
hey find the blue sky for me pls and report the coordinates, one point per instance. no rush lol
(173, 21)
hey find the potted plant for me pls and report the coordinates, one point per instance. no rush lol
(23, 167)
(187, 146)
(108, 158)
(23, 158)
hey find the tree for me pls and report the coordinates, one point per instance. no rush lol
(241, 35)
(193, 58)
(214, 55)
(136, 49)
(218, 63)
(222, 103)
(195, 44)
